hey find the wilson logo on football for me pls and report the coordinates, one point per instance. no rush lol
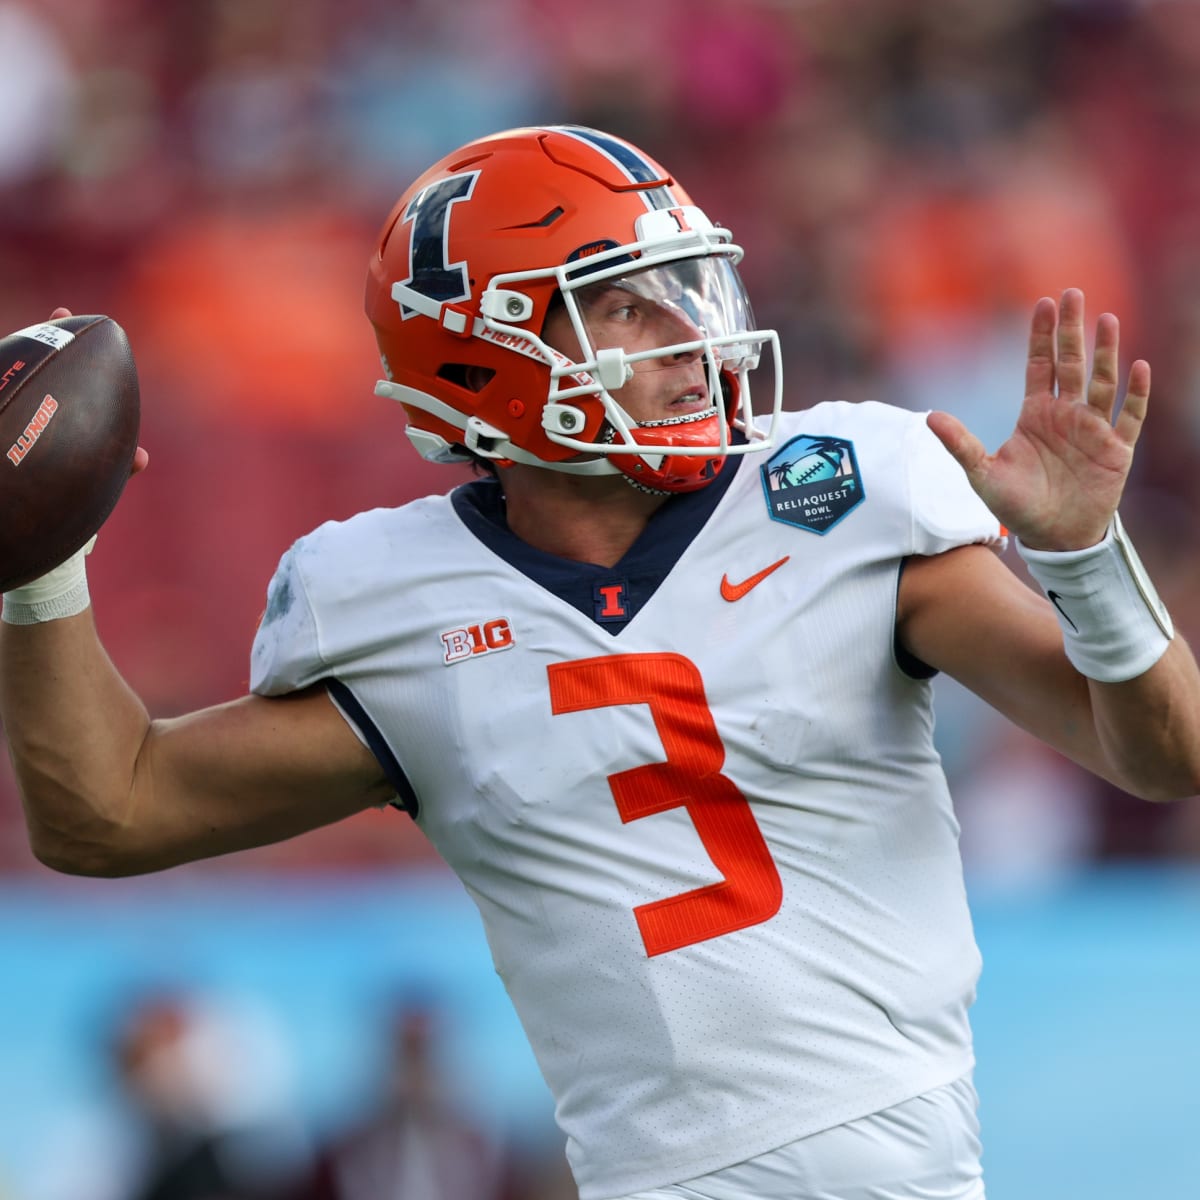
(474, 640)
(33, 431)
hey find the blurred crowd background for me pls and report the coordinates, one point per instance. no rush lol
(907, 177)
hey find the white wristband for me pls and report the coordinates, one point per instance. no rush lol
(61, 592)
(1114, 625)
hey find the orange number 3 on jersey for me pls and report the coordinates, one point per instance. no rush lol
(751, 891)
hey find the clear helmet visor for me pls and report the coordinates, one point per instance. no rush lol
(657, 314)
(689, 315)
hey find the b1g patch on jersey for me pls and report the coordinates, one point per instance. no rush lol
(812, 482)
(485, 638)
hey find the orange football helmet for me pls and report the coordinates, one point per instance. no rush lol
(492, 239)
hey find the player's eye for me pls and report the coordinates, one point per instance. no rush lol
(608, 303)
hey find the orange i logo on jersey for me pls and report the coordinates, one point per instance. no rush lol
(610, 601)
(472, 641)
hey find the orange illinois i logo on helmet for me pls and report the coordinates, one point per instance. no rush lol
(471, 641)
(432, 277)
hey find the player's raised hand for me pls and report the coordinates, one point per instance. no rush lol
(1058, 479)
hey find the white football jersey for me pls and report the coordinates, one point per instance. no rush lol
(695, 795)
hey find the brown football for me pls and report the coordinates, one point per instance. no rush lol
(69, 415)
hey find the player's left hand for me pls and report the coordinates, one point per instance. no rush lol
(1057, 481)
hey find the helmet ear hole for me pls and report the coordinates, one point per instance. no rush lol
(468, 376)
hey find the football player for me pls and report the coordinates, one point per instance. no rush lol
(656, 685)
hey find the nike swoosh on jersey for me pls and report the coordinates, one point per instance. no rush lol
(735, 591)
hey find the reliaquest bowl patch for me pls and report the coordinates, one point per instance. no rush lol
(812, 482)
